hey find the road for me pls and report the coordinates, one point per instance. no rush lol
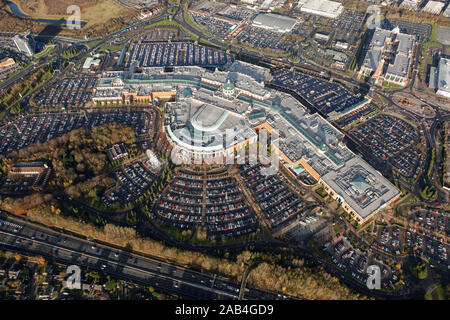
(430, 132)
(28, 238)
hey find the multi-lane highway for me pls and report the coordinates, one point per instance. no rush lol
(28, 238)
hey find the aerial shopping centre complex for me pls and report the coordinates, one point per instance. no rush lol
(212, 114)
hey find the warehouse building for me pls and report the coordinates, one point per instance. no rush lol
(434, 7)
(274, 22)
(443, 77)
(410, 4)
(324, 8)
(25, 43)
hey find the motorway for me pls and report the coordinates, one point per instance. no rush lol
(28, 238)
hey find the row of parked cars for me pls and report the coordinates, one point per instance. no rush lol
(39, 128)
(131, 183)
(225, 213)
(396, 240)
(385, 136)
(355, 262)
(277, 201)
(215, 26)
(68, 92)
(263, 38)
(325, 96)
(176, 54)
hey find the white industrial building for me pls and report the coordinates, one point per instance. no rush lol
(325, 8)
(274, 22)
(443, 77)
(434, 7)
(25, 43)
(410, 4)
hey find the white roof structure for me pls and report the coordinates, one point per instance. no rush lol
(24, 43)
(90, 61)
(410, 4)
(325, 8)
(400, 61)
(434, 7)
(274, 22)
(443, 84)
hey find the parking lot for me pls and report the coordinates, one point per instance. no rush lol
(39, 128)
(425, 236)
(159, 35)
(176, 54)
(348, 26)
(355, 115)
(389, 137)
(428, 246)
(323, 95)
(237, 13)
(354, 261)
(224, 211)
(408, 162)
(258, 37)
(74, 92)
(215, 26)
(389, 239)
(309, 225)
(421, 30)
(349, 20)
(279, 204)
(131, 183)
(431, 219)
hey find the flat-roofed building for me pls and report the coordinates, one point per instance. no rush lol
(338, 56)
(274, 22)
(389, 57)
(397, 72)
(117, 152)
(410, 4)
(32, 174)
(325, 8)
(433, 78)
(25, 43)
(7, 62)
(322, 36)
(443, 82)
(91, 61)
(341, 45)
(434, 7)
